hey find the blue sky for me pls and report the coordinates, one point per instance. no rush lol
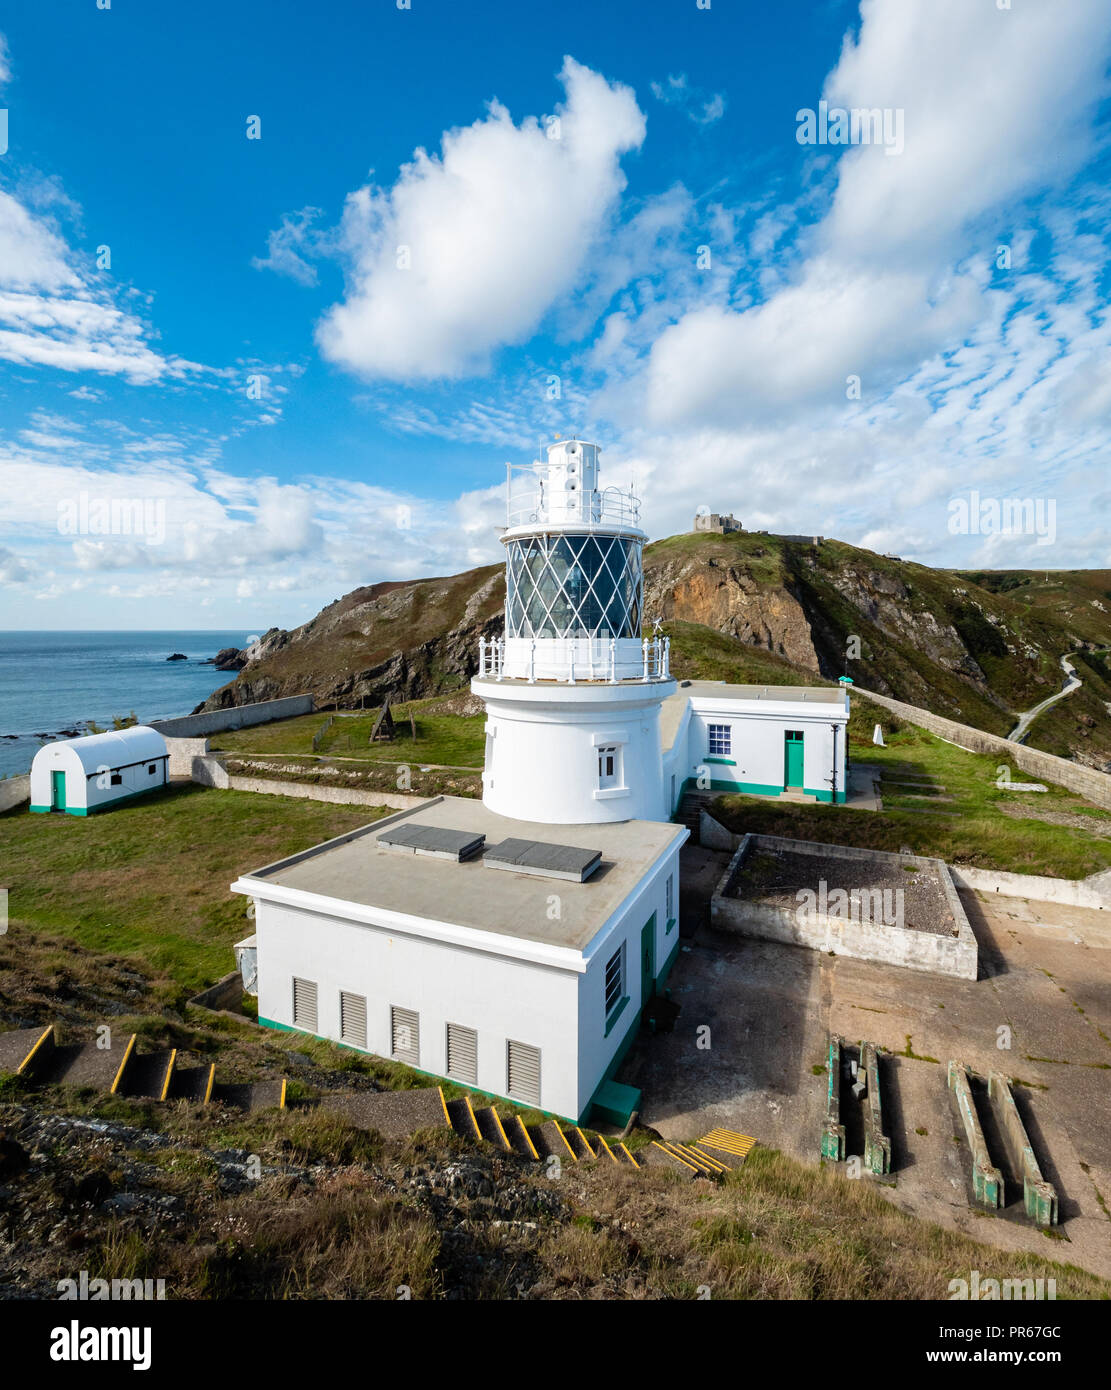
(305, 358)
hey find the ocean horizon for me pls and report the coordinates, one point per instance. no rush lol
(54, 683)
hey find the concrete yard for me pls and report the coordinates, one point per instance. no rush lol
(1045, 975)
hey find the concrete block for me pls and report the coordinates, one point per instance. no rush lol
(877, 1145)
(1039, 1197)
(987, 1181)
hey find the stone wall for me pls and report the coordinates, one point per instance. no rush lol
(182, 753)
(862, 940)
(238, 717)
(14, 791)
(1084, 781)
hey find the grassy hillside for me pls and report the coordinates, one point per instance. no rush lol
(977, 647)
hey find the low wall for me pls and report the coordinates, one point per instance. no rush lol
(238, 717)
(1094, 892)
(227, 991)
(314, 791)
(1084, 781)
(14, 791)
(848, 936)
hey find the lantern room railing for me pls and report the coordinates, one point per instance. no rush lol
(595, 659)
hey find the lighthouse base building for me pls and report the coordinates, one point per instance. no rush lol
(513, 944)
(512, 956)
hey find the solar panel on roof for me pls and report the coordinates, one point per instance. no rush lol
(544, 859)
(434, 840)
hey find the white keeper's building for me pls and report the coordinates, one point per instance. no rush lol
(513, 944)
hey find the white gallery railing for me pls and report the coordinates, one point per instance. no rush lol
(585, 659)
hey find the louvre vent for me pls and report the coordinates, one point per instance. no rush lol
(462, 1053)
(523, 1066)
(405, 1035)
(304, 1004)
(352, 1018)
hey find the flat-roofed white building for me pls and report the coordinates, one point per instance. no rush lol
(83, 775)
(764, 739)
(502, 970)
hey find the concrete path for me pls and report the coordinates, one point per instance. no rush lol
(1072, 682)
(749, 1047)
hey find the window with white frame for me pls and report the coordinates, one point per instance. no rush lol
(615, 979)
(721, 740)
(609, 766)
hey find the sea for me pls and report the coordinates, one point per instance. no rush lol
(54, 683)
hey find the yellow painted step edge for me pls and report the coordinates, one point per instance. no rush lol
(715, 1162)
(470, 1112)
(169, 1075)
(528, 1138)
(566, 1142)
(691, 1158)
(211, 1083)
(586, 1142)
(501, 1129)
(666, 1150)
(39, 1042)
(126, 1057)
(628, 1154)
(281, 1098)
(443, 1103)
(602, 1141)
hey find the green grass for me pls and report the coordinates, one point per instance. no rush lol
(150, 880)
(974, 831)
(449, 740)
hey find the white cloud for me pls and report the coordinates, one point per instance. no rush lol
(881, 285)
(677, 91)
(496, 229)
(290, 248)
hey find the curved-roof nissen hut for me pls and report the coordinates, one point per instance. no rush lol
(82, 775)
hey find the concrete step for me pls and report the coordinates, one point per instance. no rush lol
(149, 1074)
(579, 1143)
(26, 1050)
(626, 1155)
(392, 1113)
(605, 1153)
(728, 1146)
(251, 1095)
(659, 1155)
(550, 1140)
(491, 1128)
(193, 1083)
(520, 1138)
(87, 1064)
(461, 1118)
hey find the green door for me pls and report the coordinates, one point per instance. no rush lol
(792, 776)
(648, 960)
(58, 791)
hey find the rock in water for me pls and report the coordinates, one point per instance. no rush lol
(178, 656)
(230, 659)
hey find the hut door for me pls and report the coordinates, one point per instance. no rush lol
(793, 758)
(57, 791)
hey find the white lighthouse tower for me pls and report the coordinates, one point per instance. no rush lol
(573, 691)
